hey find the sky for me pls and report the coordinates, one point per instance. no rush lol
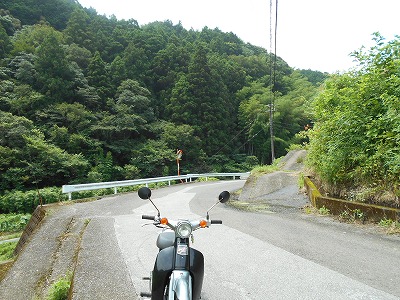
(311, 34)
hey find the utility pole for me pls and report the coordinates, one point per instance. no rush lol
(273, 72)
(271, 130)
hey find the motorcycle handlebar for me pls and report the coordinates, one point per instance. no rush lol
(147, 217)
(216, 221)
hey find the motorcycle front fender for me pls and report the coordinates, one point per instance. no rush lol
(162, 268)
(197, 271)
(165, 265)
(180, 285)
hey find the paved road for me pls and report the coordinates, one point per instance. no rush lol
(276, 255)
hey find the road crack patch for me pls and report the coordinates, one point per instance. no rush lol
(64, 257)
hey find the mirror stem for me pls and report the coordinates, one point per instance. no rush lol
(211, 209)
(155, 207)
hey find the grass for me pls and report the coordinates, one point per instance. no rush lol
(311, 210)
(250, 206)
(11, 226)
(255, 206)
(300, 180)
(356, 216)
(266, 169)
(59, 290)
(391, 227)
(6, 251)
(261, 170)
(203, 179)
(324, 211)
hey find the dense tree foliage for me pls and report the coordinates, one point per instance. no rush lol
(356, 139)
(86, 98)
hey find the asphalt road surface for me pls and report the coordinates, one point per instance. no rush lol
(280, 254)
(266, 256)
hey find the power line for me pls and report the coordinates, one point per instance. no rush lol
(244, 128)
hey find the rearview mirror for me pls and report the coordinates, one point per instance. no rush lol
(144, 193)
(224, 196)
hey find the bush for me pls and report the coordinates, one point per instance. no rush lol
(13, 222)
(92, 193)
(26, 202)
(355, 140)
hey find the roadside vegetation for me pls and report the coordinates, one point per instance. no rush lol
(11, 227)
(390, 226)
(266, 169)
(354, 150)
(6, 250)
(12, 223)
(59, 290)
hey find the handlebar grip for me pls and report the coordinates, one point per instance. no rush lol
(216, 221)
(147, 217)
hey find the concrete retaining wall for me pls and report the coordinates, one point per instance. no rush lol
(338, 206)
(36, 218)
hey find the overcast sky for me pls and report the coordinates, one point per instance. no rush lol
(311, 34)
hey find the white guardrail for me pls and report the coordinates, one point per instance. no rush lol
(115, 184)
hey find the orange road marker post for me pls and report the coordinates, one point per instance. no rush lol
(178, 158)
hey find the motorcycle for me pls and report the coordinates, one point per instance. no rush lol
(179, 269)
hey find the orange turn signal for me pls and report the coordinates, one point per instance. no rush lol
(164, 221)
(203, 223)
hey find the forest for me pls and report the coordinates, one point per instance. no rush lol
(90, 98)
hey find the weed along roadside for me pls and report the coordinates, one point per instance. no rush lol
(362, 211)
(11, 228)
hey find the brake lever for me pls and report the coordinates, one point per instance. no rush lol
(155, 224)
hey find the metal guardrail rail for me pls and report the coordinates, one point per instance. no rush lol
(115, 184)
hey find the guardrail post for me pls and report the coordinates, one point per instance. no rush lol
(115, 190)
(69, 196)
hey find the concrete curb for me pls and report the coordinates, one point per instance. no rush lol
(37, 216)
(76, 239)
(337, 206)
